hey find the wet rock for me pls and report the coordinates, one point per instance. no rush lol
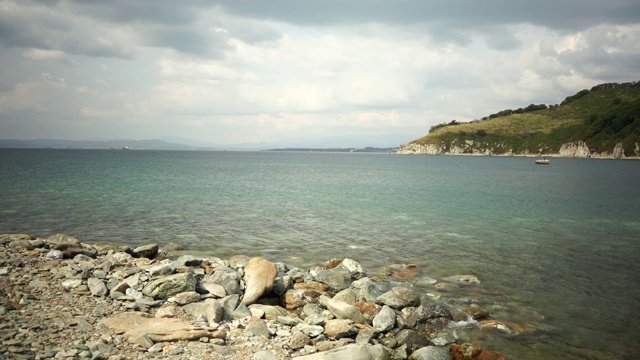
(463, 279)
(398, 298)
(352, 352)
(504, 326)
(167, 286)
(148, 251)
(338, 278)
(412, 339)
(259, 275)
(385, 320)
(469, 352)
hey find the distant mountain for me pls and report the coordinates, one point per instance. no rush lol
(601, 122)
(153, 144)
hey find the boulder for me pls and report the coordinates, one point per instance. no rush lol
(97, 287)
(342, 310)
(259, 275)
(148, 251)
(168, 286)
(339, 328)
(398, 298)
(351, 352)
(58, 239)
(431, 353)
(158, 329)
(233, 309)
(463, 279)
(338, 278)
(385, 320)
(367, 290)
(228, 278)
(210, 308)
(469, 352)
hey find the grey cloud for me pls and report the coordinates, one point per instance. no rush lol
(464, 14)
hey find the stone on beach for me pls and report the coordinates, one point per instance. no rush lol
(351, 352)
(167, 286)
(158, 329)
(398, 298)
(259, 275)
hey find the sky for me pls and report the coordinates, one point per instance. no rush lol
(246, 71)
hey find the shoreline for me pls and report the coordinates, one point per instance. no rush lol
(60, 298)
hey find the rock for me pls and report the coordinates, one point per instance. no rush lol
(259, 275)
(172, 247)
(398, 298)
(158, 329)
(504, 326)
(210, 308)
(309, 330)
(258, 328)
(167, 286)
(71, 283)
(469, 352)
(299, 340)
(228, 278)
(144, 341)
(166, 312)
(313, 285)
(342, 310)
(287, 320)
(365, 336)
(368, 309)
(69, 251)
(422, 314)
(339, 328)
(476, 312)
(97, 287)
(463, 279)
(430, 353)
(366, 289)
(264, 355)
(338, 278)
(412, 339)
(351, 352)
(187, 297)
(385, 320)
(161, 269)
(58, 239)
(233, 309)
(214, 289)
(296, 298)
(348, 295)
(148, 251)
(271, 312)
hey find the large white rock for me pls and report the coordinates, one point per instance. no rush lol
(259, 275)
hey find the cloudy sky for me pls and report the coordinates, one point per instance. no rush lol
(242, 71)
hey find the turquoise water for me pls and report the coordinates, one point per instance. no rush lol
(557, 247)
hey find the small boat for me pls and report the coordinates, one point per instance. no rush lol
(542, 161)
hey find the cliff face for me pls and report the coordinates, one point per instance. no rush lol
(578, 149)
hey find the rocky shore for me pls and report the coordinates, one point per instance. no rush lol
(63, 299)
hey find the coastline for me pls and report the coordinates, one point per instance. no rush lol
(61, 298)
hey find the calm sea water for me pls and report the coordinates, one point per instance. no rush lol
(557, 247)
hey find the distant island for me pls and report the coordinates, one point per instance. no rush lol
(356, 150)
(603, 122)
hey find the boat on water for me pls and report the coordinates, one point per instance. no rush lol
(542, 161)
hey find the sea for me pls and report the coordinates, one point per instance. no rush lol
(556, 247)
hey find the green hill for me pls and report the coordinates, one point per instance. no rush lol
(603, 118)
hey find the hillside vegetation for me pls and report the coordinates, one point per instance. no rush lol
(602, 117)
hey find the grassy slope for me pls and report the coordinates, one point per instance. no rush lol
(594, 118)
